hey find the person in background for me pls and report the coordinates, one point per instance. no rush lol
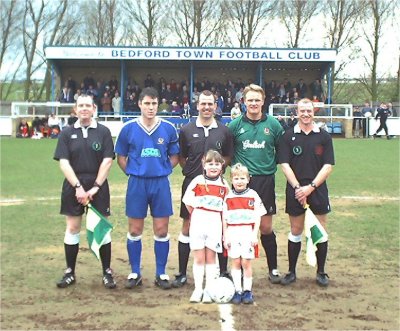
(292, 120)
(116, 103)
(307, 158)
(204, 199)
(148, 149)
(241, 217)
(382, 114)
(236, 111)
(256, 136)
(282, 122)
(23, 130)
(85, 152)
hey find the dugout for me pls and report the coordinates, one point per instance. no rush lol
(218, 65)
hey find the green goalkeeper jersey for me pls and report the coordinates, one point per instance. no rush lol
(255, 143)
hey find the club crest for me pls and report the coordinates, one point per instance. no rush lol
(297, 150)
(266, 131)
(96, 146)
(160, 141)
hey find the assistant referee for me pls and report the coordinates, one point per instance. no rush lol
(85, 151)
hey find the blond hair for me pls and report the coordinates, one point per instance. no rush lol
(253, 88)
(239, 169)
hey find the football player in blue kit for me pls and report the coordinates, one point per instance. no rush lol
(148, 149)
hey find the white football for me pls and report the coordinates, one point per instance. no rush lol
(368, 114)
(221, 290)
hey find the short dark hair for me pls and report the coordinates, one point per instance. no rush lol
(148, 92)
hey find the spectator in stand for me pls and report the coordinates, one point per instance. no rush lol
(175, 109)
(220, 102)
(174, 86)
(113, 82)
(281, 95)
(295, 99)
(91, 91)
(132, 104)
(163, 107)
(149, 82)
(106, 103)
(287, 84)
(236, 111)
(301, 88)
(66, 95)
(23, 129)
(77, 94)
(88, 81)
(116, 103)
(357, 122)
(292, 120)
(316, 88)
(239, 95)
(70, 83)
(186, 110)
(271, 88)
(168, 94)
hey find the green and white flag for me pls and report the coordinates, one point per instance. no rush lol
(315, 234)
(98, 229)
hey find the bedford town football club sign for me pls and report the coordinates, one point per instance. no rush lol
(191, 54)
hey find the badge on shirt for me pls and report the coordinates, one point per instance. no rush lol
(96, 146)
(160, 141)
(297, 150)
(266, 131)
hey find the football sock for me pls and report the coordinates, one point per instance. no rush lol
(211, 273)
(183, 253)
(134, 247)
(105, 256)
(198, 275)
(237, 279)
(321, 253)
(247, 283)
(269, 243)
(223, 263)
(294, 247)
(161, 251)
(71, 253)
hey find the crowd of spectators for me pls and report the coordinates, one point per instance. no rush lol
(175, 97)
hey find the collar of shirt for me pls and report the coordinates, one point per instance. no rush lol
(315, 128)
(246, 119)
(93, 124)
(213, 125)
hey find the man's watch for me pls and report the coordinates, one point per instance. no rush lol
(77, 185)
(313, 185)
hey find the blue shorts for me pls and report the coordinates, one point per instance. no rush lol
(144, 192)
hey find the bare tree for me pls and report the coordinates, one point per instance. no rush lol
(101, 28)
(295, 15)
(248, 18)
(341, 19)
(10, 13)
(146, 21)
(198, 23)
(378, 12)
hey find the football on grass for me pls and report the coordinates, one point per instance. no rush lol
(222, 290)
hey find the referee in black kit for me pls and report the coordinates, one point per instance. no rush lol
(306, 157)
(195, 139)
(85, 151)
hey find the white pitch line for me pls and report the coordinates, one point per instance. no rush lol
(225, 317)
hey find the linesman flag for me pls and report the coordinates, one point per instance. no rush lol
(315, 234)
(98, 229)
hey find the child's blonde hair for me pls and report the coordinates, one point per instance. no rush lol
(239, 169)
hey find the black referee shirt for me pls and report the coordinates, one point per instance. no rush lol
(195, 140)
(306, 154)
(85, 148)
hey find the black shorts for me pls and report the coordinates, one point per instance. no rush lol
(318, 201)
(264, 185)
(184, 212)
(71, 207)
